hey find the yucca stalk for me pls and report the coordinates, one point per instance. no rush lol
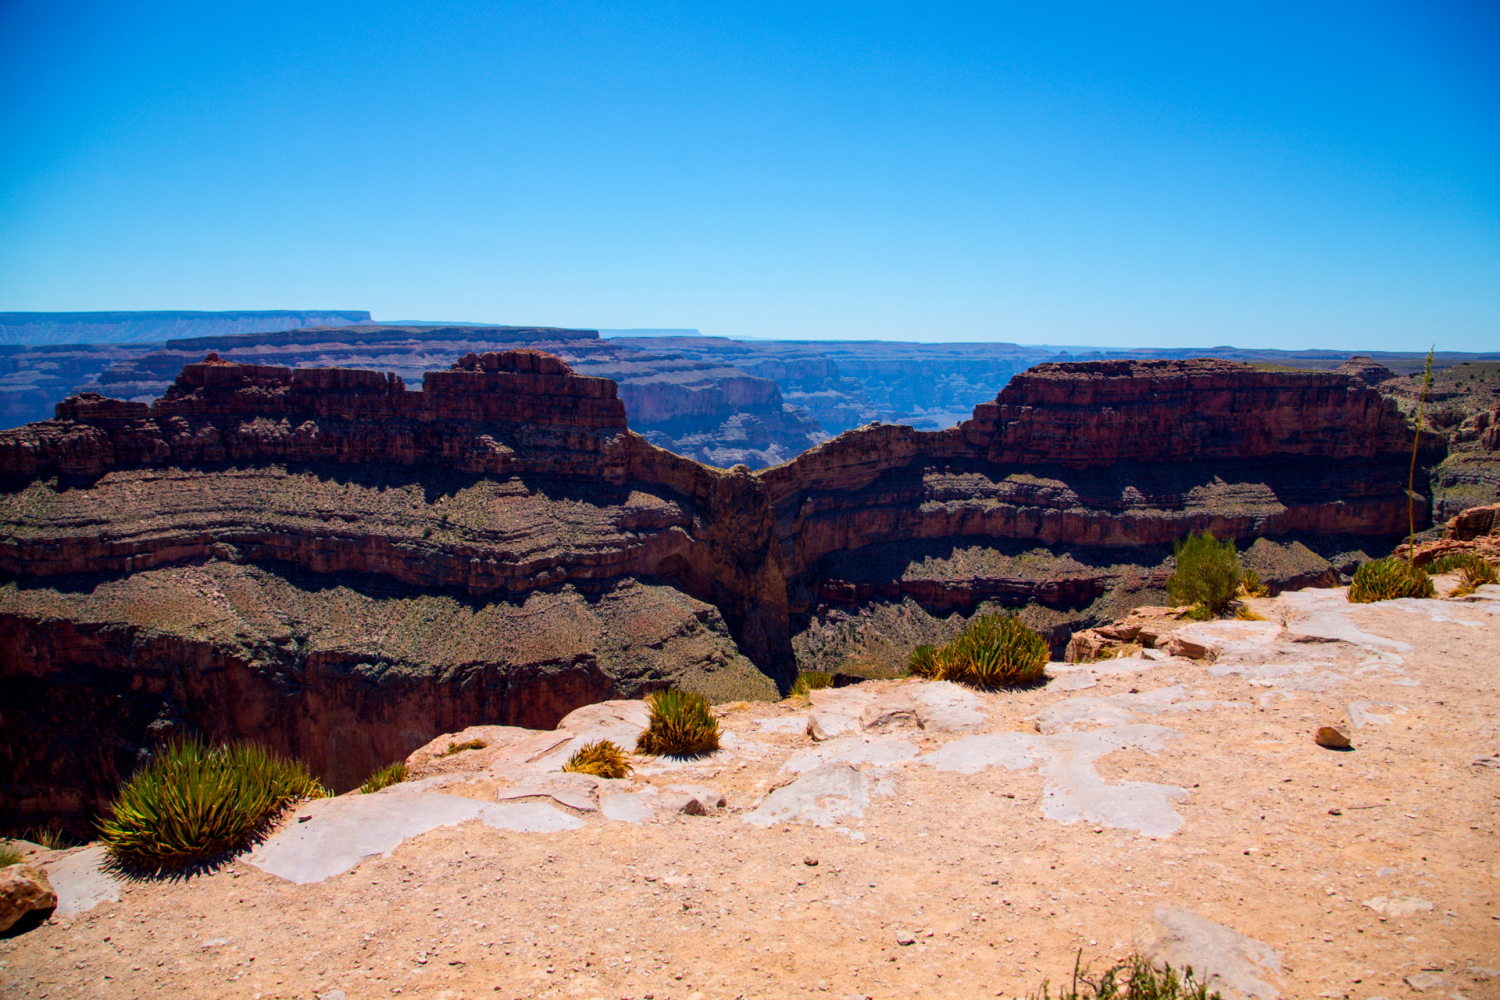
(1411, 479)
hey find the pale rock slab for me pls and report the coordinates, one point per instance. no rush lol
(630, 807)
(822, 796)
(836, 711)
(1239, 967)
(568, 788)
(82, 882)
(1364, 713)
(945, 707)
(528, 817)
(1398, 906)
(882, 751)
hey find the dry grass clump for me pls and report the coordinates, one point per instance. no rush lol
(811, 680)
(681, 725)
(603, 759)
(1474, 575)
(391, 774)
(1132, 979)
(1387, 579)
(195, 802)
(1250, 585)
(10, 854)
(992, 651)
(454, 748)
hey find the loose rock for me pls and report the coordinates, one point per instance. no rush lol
(23, 888)
(1333, 737)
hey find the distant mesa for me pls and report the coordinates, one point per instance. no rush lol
(154, 327)
(1366, 369)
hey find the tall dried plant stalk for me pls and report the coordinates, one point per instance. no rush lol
(1411, 480)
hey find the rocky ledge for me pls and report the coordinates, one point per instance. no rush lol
(330, 562)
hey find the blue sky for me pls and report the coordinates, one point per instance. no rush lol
(1270, 174)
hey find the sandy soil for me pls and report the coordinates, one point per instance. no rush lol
(1281, 840)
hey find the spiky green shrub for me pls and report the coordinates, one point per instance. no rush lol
(1132, 979)
(681, 725)
(994, 651)
(454, 748)
(194, 802)
(1207, 574)
(10, 854)
(1251, 586)
(391, 774)
(923, 662)
(603, 759)
(1387, 579)
(1474, 575)
(811, 680)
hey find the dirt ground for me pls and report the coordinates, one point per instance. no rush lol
(1280, 839)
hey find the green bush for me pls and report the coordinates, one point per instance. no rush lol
(391, 774)
(811, 680)
(1207, 574)
(1132, 979)
(1453, 562)
(603, 759)
(1387, 579)
(195, 802)
(10, 854)
(991, 651)
(681, 725)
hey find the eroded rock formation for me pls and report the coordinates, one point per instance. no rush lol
(342, 567)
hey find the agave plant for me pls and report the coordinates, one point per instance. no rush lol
(1387, 579)
(681, 725)
(810, 680)
(391, 774)
(923, 662)
(195, 801)
(994, 651)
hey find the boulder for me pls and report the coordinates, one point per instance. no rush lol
(23, 888)
(1236, 966)
(1333, 737)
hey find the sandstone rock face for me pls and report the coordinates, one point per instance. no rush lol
(344, 568)
(23, 888)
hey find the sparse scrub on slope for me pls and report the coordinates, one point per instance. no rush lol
(10, 854)
(391, 774)
(1475, 575)
(1207, 574)
(1387, 579)
(454, 748)
(194, 802)
(1132, 979)
(681, 725)
(603, 759)
(811, 680)
(991, 651)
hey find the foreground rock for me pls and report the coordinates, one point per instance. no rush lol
(1181, 799)
(23, 888)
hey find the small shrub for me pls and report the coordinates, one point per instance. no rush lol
(991, 651)
(454, 748)
(1207, 573)
(602, 759)
(1474, 575)
(10, 854)
(1454, 562)
(1244, 614)
(50, 837)
(194, 802)
(923, 662)
(681, 725)
(1132, 979)
(811, 680)
(391, 774)
(1250, 585)
(1387, 579)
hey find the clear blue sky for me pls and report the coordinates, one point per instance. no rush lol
(1260, 174)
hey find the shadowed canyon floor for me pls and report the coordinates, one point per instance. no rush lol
(933, 842)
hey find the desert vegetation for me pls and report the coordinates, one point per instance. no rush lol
(991, 651)
(10, 854)
(1207, 574)
(681, 725)
(811, 680)
(1387, 579)
(1132, 979)
(454, 748)
(196, 801)
(602, 759)
(391, 774)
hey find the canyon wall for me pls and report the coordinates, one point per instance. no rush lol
(333, 563)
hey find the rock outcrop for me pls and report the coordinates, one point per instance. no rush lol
(333, 563)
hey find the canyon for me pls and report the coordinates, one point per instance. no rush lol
(336, 564)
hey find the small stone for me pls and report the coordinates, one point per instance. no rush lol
(905, 938)
(810, 862)
(691, 800)
(1424, 981)
(23, 888)
(1333, 737)
(1335, 811)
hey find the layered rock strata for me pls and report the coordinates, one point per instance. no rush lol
(377, 565)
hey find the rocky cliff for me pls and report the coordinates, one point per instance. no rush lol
(330, 561)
